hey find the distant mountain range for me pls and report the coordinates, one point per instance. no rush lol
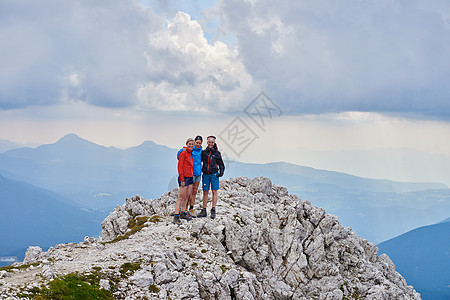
(99, 178)
(422, 257)
(6, 145)
(396, 163)
(93, 175)
(34, 216)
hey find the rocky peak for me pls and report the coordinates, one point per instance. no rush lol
(264, 244)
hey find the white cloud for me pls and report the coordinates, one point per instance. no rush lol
(49, 41)
(322, 56)
(201, 76)
(310, 56)
(114, 54)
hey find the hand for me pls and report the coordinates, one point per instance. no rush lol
(182, 183)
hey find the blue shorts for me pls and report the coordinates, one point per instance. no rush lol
(197, 178)
(210, 180)
(187, 181)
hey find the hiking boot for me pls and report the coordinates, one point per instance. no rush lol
(192, 213)
(176, 220)
(213, 213)
(202, 214)
(185, 216)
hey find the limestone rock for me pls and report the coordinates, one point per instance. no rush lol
(104, 284)
(142, 278)
(47, 272)
(264, 244)
(115, 224)
(33, 255)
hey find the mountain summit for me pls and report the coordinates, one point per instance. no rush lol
(264, 244)
(71, 137)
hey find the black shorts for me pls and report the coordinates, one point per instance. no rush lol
(187, 181)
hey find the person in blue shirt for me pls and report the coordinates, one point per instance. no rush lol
(197, 155)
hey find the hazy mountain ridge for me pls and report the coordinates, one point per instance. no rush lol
(310, 175)
(73, 165)
(32, 215)
(6, 145)
(446, 220)
(422, 256)
(396, 162)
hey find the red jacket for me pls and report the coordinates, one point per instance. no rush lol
(185, 164)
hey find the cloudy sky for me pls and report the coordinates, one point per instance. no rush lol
(297, 80)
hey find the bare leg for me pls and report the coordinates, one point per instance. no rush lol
(214, 198)
(205, 198)
(189, 193)
(186, 195)
(181, 193)
(194, 193)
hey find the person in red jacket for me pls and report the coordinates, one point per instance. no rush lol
(185, 181)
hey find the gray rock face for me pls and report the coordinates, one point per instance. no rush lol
(264, 244)
(32, 255)
(104, 284)
(142, 278)
(47, 272)
(116, 223)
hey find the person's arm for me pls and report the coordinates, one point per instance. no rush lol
(221, 166)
